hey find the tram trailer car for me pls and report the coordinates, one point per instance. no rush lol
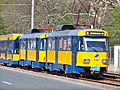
(33, 50)
(9, 49)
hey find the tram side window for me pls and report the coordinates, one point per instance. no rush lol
(23, 44)
(32, 44)
(65, 43)
(16, 44)
(61, 43)
(2, 47)
(81, 45)
(42, 44)
(9, 47)
(51, 43)
(16, 47)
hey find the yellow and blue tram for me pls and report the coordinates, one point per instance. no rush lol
(33, 50)
(81, 51)
(9, 48)
(78, 51)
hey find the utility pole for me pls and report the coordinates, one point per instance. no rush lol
(32, 14)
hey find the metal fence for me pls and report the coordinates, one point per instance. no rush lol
(118, 58)
(114, 64)
(111, 54)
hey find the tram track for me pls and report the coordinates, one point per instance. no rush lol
(104, 81)
(112, 75)
(107, 78)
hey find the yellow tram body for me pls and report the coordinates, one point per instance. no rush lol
(93, 61)
(65, 57)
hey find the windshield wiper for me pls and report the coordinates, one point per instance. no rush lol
(94, 49)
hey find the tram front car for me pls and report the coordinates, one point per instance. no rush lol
(92, 51)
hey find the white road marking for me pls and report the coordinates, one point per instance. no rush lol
(6, 83)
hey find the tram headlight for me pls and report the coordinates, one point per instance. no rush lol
(105, 61)
(86, 60)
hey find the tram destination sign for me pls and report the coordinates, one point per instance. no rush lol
(94, 33)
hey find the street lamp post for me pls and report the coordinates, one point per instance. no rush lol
(32, 14)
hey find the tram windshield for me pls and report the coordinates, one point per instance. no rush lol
(96, 44)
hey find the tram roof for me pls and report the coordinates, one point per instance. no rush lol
(34, 35)
(76, 32)
(9, 36)
(63, 33)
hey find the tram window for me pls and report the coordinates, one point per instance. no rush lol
(74, 43)
(81, 45)
(69, 44)
(16, 46)
(61, 43)
(23, 44)
(51, 43)
(43, 44)
(32, 44)
(65, 43)
(9, 47)
(2, 47)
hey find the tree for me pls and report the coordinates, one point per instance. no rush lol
(2, 26)
(112, 25)
(2, 31)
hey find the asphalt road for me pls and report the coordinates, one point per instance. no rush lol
(11, 80)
